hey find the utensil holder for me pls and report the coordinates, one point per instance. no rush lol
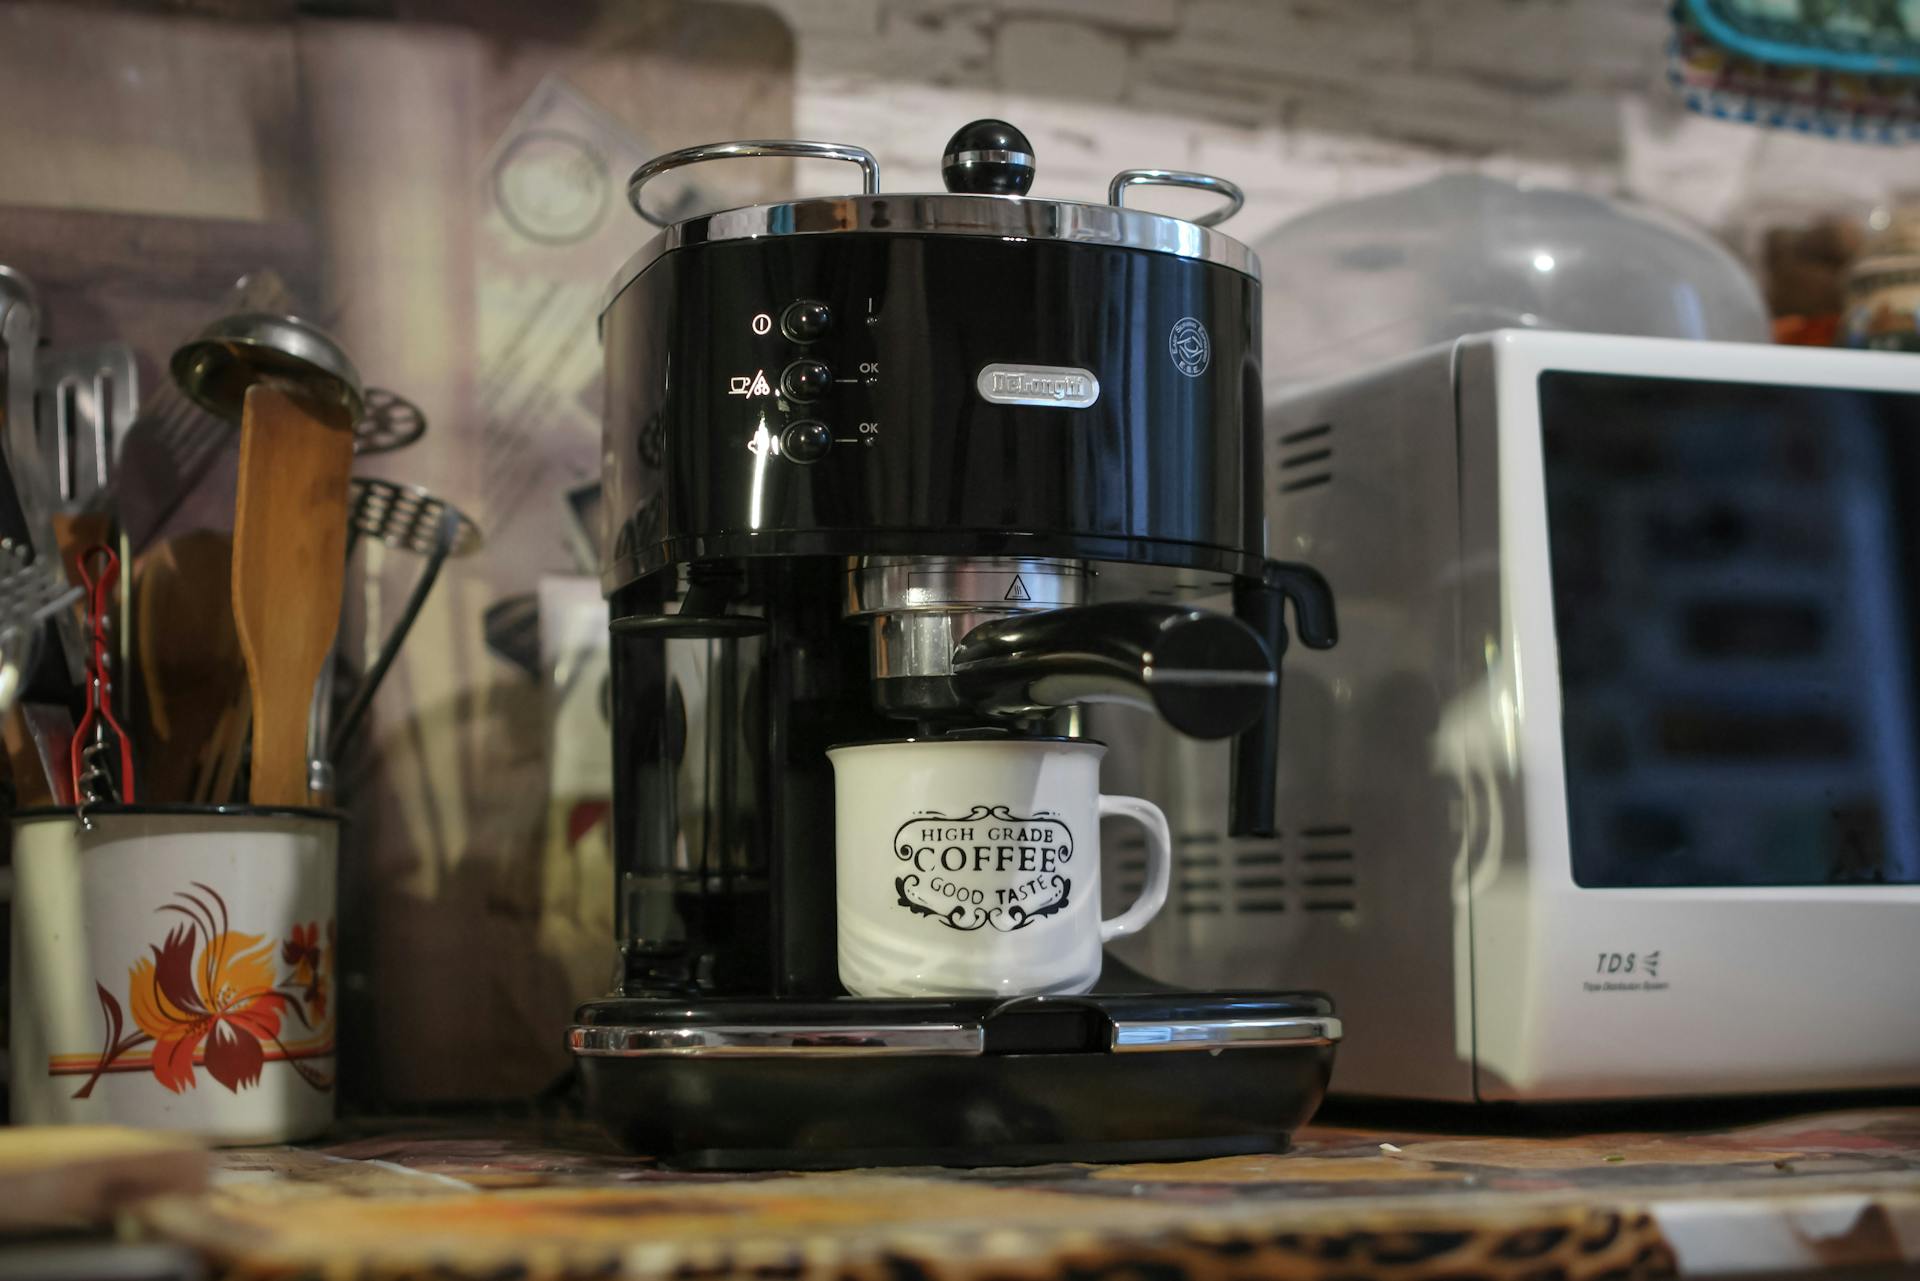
(173, 968)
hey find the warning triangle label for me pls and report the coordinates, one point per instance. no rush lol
(1018, 591)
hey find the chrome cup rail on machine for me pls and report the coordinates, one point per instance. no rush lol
(787, 148)
(1236, 199)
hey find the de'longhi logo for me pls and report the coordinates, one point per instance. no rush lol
(1190, 347)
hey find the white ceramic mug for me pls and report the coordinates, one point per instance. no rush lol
(173, 968)
(971, 866)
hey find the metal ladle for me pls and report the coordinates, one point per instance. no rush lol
(233, 353)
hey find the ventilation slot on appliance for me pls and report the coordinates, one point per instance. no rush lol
(1305, 459)
(1258, 889)
(1326, 880)
(1204, 844)
(1199, 895)
(1259, 892)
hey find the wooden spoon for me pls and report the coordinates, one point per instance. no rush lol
(191, 668)
(289, 570)
(219, 764)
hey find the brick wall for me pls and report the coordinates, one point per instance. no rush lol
(1304, 101)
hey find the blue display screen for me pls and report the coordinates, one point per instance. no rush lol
(1734, 591)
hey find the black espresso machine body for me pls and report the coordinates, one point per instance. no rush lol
(880, 466)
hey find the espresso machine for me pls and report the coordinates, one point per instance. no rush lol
(883, 466)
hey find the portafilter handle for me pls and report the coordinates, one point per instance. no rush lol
(1207, 675)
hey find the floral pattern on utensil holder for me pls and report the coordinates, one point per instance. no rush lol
(213, 997)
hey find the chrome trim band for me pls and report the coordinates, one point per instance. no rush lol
(948, 214)
(990, 156)
(939, 1039)
(1214, 676)
(950, 584)
(1224, 1034)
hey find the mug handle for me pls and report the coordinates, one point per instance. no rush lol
(1159, 864)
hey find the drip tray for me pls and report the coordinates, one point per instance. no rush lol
(756, 1084)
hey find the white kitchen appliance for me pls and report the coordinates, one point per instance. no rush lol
(1612, 787)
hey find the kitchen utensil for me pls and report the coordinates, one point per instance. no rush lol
(173, 441)
(407, 518)
(30, 593)
(390, 422)
(19, 439)
(46, 755)
(851, 491)
(86, 400)
(298, 396)
(225, 754)
(173, 968)
(191, 667)
(100, 745)
(288, 571)
(27, 505)
(29, 783)
(1613, 792)
(235, 353)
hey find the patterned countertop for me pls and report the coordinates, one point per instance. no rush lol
(1807, 1193)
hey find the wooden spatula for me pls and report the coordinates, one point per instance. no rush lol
(188, 651)
(289, 564)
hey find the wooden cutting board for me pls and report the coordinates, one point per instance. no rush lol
(56, 1176)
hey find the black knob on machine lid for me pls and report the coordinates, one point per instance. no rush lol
(988, 158)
